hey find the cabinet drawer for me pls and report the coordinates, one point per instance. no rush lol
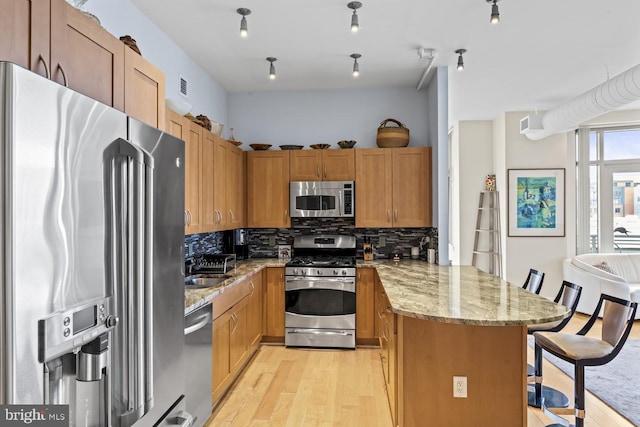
(229, 297)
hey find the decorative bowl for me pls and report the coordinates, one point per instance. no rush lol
(234, 142)
(260, 147)
(347, 144)
(320, 146)
(180, 107)
(291, 147)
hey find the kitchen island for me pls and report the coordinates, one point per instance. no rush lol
(459, 321)
(443, 322)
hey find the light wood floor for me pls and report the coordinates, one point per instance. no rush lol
(300, 387)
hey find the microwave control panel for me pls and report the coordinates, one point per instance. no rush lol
(348, 199)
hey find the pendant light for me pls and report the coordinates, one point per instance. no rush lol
(355, 5)
(495, 13)
(244, 32)
(356, 66)
(460, 60)
(272, 68)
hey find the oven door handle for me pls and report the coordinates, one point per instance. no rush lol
(338, 285)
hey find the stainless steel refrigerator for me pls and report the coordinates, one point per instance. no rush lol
(91, 262)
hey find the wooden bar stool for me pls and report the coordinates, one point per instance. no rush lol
(581, 351)
(568, 295)
(534, 281)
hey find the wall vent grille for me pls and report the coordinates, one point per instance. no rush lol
(183, 86)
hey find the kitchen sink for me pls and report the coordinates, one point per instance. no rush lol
(203, 281)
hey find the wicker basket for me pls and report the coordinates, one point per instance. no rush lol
(390, 137)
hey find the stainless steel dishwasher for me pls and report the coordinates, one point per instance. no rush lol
(198, 329)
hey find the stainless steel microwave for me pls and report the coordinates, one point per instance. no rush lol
(322, 199)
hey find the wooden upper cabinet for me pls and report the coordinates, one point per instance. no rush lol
(412, 187)
(322, 165)
(393, 187)
(24, 33)
(193, 189)
(305, 165)
(338, 165)
(85, 57)
(219, 180)
(373, 187)
(144, 90)
(268, 189)
(236, 187)
(208, 214)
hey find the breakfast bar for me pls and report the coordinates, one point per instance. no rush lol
(459, 321)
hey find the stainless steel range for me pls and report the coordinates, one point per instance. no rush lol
(320, 292)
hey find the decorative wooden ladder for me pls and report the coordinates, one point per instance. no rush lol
(487, 238)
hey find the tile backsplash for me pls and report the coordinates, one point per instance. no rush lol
(394, 239)
(401, 239)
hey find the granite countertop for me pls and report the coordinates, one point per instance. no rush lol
(451, 294)
(460, 294)
(196, 298)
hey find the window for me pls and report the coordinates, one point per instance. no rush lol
(609, 159)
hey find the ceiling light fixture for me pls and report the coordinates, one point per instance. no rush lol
(356, 67)
(495, 14)
(460, 60)
(272, 68)
(244, 32)
(355, 5)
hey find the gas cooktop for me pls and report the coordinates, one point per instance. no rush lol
(322, 261)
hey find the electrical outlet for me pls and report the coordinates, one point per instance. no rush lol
(459, 386)
(272, 240)
(382, 241)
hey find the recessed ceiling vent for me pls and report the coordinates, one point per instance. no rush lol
(183, 87)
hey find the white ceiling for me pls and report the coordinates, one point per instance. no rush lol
(542, 54)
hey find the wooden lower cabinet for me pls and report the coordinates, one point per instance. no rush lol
(365, 306)
(386, 321)
(255, 313)
(221, 355)
(237, 330)
(274, 304)
(493, 358)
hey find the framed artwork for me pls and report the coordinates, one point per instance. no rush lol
(536, 202)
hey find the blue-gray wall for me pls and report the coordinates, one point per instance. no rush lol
(326, 116)
(121, 17)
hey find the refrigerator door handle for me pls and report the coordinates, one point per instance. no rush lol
(136, 292)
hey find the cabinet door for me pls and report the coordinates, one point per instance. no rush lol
(178, 126)
(268, 189)
(208, 217)
(85, 57)
(219, 180)
(411, 187)
(373, 187)
(143, 90)
(236, 188)
(238, 345)
(255, 311)
(338, 165)
(274, 304)
(24, 33)
(193, 158)
(392, 377)
(365, 316)
(221, 354)
(305, 165)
